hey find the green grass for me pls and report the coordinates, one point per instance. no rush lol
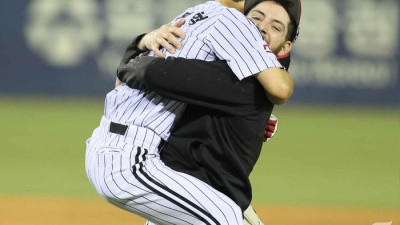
(331, 155)
(335, 156)
(43, 145)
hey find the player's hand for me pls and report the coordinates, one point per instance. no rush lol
(271, 128)
(167, 36)
(251, 217)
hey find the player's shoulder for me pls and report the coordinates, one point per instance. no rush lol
(234, 14)
(208, 6)
(217, 9)
(239, 19)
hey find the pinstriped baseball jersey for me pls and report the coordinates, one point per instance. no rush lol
(212, 32)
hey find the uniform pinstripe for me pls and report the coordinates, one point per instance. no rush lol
(126, 169)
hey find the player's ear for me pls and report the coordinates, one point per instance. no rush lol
(286, 47)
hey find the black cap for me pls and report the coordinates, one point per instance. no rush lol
(250, 4)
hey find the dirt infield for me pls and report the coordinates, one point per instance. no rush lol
(65, 211)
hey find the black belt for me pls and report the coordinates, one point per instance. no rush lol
(117, 128)
(121, 129)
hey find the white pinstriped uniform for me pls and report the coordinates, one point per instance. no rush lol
(126, 168)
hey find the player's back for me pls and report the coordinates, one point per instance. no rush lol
(147, 109)
(212, 30)
(199, 23)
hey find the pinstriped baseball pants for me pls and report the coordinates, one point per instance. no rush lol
(126, 171)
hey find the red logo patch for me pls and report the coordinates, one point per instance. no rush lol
(266, 48)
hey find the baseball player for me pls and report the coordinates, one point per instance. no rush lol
(122, 157)
(171, 86)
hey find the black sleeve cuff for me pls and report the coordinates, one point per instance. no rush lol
(132, 50)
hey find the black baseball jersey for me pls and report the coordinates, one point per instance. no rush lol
(219, 136)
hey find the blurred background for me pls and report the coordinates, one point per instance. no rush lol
(335, 159)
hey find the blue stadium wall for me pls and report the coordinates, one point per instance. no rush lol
(348, 50)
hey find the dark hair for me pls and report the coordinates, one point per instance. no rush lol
(291, 9)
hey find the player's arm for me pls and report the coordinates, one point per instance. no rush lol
(131, 52)
(207, 84)
(239, 42)
(278, 84)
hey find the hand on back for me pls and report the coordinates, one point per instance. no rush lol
(167, 36)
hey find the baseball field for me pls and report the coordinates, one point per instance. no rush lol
(328, 164)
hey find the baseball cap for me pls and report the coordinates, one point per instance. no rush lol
(294, 15)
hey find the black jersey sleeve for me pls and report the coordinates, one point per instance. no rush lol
(197, 82)
(132, 50)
